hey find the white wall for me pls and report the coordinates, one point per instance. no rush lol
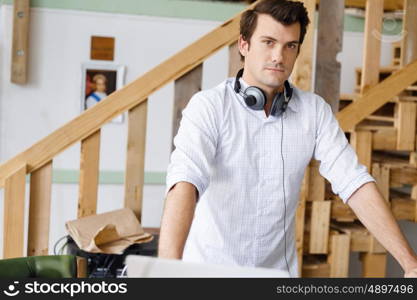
(59, 44)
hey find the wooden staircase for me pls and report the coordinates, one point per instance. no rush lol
(326, 228)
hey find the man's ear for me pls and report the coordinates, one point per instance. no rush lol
(243, 46)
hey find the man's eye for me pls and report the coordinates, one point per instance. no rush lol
(292, 46)
(268, 42)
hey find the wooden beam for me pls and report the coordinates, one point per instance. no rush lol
(404, 209)
(373, 265)
(381, 173)
(385, 139)
(185, 87)
(20, 41)
(317, 186)
(235, 63)
(388, 4)
(342, 212)
(124, 99)
(362, 143)
(339, 255)
(409, 39)
(372, 44)
(377, 96)
(89, 175)
(300, 219)
(135, 159)
(361, 240)
(405, 122)
(319, 229)
(329, 44)
(39, 210)
(14, 214)
(301, 75)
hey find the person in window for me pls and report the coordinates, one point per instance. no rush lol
(99, 92)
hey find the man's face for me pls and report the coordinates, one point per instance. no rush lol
(271, 54)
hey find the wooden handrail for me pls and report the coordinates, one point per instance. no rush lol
(388, 4)
(377, 96)
(124, 99)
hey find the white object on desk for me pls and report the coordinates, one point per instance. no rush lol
(147, 266)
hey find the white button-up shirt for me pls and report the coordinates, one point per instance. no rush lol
(232, 155)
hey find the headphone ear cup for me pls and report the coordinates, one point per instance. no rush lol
(255, 98)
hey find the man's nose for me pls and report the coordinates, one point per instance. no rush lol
(277, 54)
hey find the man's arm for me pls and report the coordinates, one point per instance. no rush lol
(373, 211)
(176, 220)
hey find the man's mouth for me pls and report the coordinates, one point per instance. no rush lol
(275, 69)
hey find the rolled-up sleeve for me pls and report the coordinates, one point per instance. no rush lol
(338, 161)
(195, 145)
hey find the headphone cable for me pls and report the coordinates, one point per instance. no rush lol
(283, 187)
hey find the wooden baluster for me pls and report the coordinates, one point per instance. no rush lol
(14, 213)
(361, 141)
(372, 264)
(89, 175)
(339, 255)
(409, 40)
(135, 158)
(39, 210)
(20, 43)
(185, 87)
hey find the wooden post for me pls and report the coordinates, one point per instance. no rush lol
(372, 44)
(89, 175)
(300, 219)
(235, 64)
(14, 214)
(339, 255)
(329, 44)
(408, 55)
(317, 185)
(409, 41)
(320, 224)
(301, 75)
(361, 141)
(185, 87)
(135, 160)
(381, 173)
(40, 210)
(405, 123)
(373, 265)
(20, 42)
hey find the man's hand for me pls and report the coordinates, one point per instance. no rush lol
(411, 274)
(373, 211)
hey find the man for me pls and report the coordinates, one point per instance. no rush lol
(234, 179)
(99, 92)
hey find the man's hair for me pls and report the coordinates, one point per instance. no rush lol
(99, 76)
(283, 11)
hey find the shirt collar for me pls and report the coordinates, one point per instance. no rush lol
(293, 102)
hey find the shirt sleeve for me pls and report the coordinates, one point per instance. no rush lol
(338, 161)
(195, 145)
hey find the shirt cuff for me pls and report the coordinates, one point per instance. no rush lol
(354, 185)
(173, 179)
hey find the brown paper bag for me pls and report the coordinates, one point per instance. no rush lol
(109, 233)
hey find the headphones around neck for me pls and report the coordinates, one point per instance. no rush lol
(255, 97)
